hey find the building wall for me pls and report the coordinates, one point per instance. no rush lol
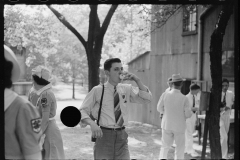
(140, 67)
(172, 52)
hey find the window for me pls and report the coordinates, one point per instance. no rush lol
(189, 18)
(228, 65)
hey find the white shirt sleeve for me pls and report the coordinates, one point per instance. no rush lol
(160, 105)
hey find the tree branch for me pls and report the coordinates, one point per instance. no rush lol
(68, 25)
(107, 19)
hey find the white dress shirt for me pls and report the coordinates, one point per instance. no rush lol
(176, 110)
(127, 94)
(229, 98)
(190, 99)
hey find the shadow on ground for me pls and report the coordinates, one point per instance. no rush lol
(144, 142)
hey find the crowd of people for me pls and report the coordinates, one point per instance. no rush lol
(31, 131)
(179, 117)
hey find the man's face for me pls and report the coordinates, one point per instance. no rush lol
(114, 72)
(225, 86)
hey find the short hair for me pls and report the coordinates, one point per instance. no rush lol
(225, 80)
(40, 81)
(178, 83)
(194, 86)
(8, 66)
(108, 63)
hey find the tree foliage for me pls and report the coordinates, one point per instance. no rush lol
(51, 43)
(127, 37)
(29, 29)
(93, 44)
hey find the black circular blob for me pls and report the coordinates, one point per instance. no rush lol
(70, 116)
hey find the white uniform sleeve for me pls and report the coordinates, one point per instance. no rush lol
(160, 105)
(28, 129)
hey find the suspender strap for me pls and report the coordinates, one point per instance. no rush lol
(100, 108)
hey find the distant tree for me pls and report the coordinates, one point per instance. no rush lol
(27, 28)
(93, 45)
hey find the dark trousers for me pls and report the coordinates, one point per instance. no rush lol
(113, 145)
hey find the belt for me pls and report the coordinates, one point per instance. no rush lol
(113, 129)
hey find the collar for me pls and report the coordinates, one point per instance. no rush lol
(109, 85)
(176, 90)
(38, 92)
(9, 97)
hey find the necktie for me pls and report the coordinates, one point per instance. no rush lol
(117, 109)
(194, 103)
(224, 99)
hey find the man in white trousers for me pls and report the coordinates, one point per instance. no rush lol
(167, 90)
(190, 122)
(227, 103)
(176, 109)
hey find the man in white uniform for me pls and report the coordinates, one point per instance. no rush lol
(175, 107)
(227, 103)
(190, 122)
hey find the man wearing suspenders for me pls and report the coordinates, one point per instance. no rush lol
(111, 137)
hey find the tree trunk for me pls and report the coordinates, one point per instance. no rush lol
(216, 75)
(73, 77)
(73, 83)
(93, 71)
(94, 44)
(93, 66)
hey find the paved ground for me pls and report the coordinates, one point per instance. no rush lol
(144, 140)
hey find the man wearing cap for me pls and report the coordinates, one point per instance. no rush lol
(43, 98)
(22, 120)
(190, 122)
(176, 109)
(111, 137)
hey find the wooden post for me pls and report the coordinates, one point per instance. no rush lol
(205, 135)
(204, 106)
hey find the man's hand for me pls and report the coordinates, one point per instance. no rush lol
(130, 76)
(96, 130)
(226, 108)
(133, 77)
